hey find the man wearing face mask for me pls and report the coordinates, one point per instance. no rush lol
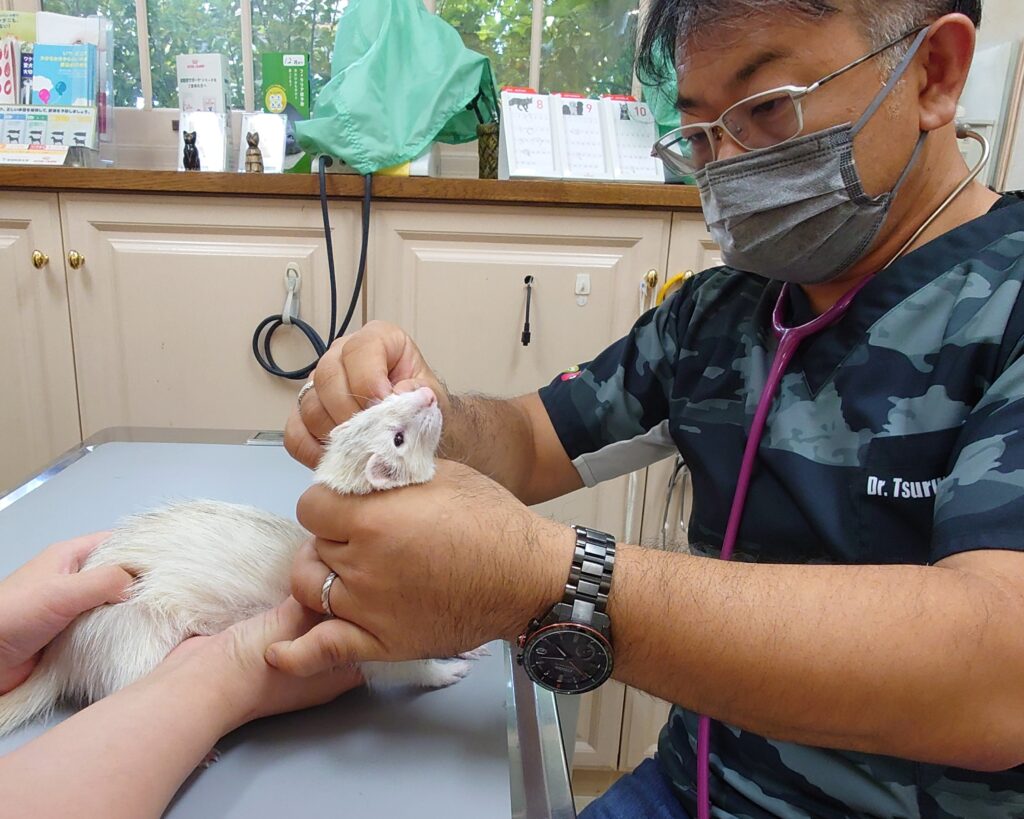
(863, 656)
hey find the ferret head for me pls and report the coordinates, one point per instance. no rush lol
(387, 445)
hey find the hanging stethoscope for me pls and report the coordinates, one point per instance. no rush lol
(790, 339)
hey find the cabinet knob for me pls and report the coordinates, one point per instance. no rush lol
(75, 259)
(39, 259)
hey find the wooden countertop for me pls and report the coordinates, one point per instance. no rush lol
(408, 189)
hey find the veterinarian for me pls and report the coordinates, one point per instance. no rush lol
(864, 656)
(125, 756)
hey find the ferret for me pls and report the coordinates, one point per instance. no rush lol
(202, 566)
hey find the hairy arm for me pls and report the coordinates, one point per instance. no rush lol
(919, 662)
(513, 442)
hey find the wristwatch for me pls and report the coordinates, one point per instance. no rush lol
(569, 651)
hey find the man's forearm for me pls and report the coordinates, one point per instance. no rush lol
(512, 442)
(919, 662)
(492, 435)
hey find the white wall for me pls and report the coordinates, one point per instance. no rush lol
(988, 88)
(1001, 20)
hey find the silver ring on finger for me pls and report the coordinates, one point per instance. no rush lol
(325, 593)
(302, 393)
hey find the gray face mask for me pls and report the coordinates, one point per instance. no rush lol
(798, 212)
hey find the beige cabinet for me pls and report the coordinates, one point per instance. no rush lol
(38, 404)
(642, 719)
(692, 247)
(170, 292)
(599, 729)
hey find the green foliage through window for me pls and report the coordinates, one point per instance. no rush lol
(587, 45)
(182, 27)
(498, 28)
(300, 26)
(127, 85)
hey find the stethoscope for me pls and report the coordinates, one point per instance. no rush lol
(790, 339)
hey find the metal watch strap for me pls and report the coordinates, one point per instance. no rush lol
(590, 577)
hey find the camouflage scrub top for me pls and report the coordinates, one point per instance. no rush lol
(894, 438)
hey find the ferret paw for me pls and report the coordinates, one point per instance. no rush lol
(475, 654)
(443, 673)
(421, 673)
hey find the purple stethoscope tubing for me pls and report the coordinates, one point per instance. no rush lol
(790, 339)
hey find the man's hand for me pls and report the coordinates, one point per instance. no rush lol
(423, 571)
(41, 598)
(357, 371)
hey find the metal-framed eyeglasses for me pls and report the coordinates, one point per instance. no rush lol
(763, 120)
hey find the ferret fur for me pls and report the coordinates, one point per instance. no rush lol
(202, 566)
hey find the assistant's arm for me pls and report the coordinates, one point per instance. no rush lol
(125, 756)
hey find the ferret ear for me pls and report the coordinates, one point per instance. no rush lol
(380, 474)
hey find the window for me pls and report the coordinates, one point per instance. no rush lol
(498, 28)
(588, 46)
(296, 25)
(212, 26)
(585, 46)
(127, 77)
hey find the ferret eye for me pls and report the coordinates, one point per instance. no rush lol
(399, 438)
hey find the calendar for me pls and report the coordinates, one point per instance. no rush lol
(527, 147)
(631, 131)
(579, 137)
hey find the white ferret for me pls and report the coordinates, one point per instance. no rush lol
(202, 566)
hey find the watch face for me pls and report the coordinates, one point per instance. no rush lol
(568, 657)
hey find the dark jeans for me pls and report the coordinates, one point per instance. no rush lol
(643, 794)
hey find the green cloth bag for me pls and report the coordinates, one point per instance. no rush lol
(401, 79)
(660, 93)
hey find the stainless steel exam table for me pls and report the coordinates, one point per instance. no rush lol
(487, 747)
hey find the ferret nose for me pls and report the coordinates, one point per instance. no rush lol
(427, 395)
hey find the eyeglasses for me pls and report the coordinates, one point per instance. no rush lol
(761, 121)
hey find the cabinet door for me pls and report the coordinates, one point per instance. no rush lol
(165, 305)
(692, 246)
(39, 406)
(453, 278)
(642, 719)
(599, 730)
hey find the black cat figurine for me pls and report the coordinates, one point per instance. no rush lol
(191, 156)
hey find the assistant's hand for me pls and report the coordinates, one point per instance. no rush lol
(233, 664)
(41, 598)
(358, 370)
(423, 571)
